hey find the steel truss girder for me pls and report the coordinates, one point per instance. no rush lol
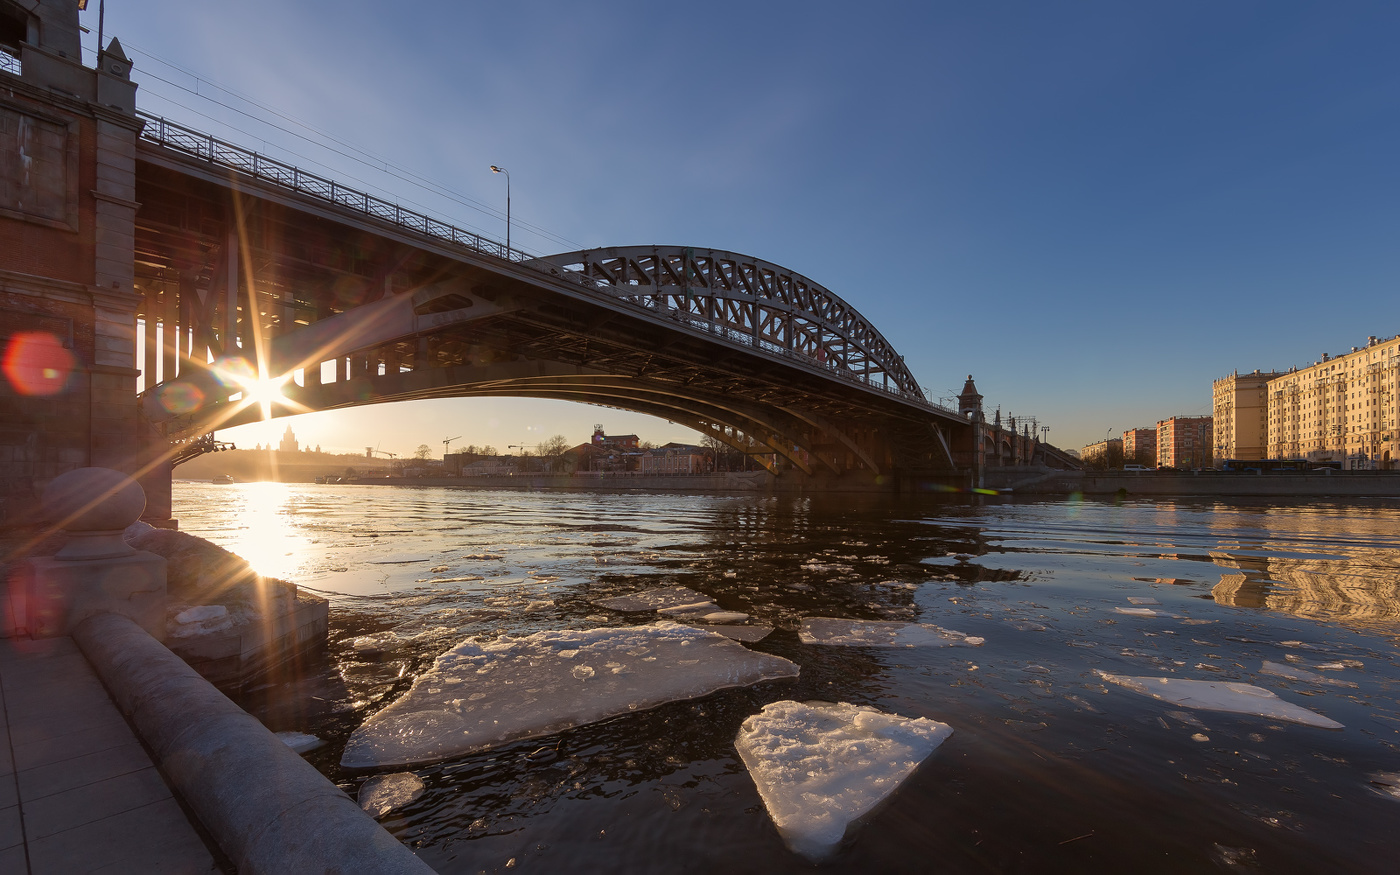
(565, 382)
(748, 297)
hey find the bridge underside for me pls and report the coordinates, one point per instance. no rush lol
(365, 312)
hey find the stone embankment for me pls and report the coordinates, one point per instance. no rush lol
(1314, 484)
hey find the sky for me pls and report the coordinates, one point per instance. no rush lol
(1095, 208)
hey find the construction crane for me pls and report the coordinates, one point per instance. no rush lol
(446, 444)
(371, 453)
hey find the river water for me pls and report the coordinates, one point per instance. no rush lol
(1049, 768)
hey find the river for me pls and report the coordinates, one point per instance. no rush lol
(1050, 768)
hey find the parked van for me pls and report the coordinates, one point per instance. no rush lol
(1136, 468)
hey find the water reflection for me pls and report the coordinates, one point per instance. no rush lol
(1048, 768)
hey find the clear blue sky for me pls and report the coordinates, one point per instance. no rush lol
(1096, 208)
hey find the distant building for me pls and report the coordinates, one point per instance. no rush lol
(1339, 409)
(1104, 454)
(1185, 442)
(613, 441)
(1140, 446)
(289, 442)
(676, 458)
(1241, 410)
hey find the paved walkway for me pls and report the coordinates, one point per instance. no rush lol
(78, 792)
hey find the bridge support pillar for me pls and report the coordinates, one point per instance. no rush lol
(67, 243)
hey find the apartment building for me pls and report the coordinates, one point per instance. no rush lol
(1241, 414)
(1140, 446)
(1184, 442)
(1104, 454)
(1340, 409)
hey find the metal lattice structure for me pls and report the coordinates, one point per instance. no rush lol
(750, 301)
(746, 300)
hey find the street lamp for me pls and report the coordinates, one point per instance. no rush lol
(495, 169)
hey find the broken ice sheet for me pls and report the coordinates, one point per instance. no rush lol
(477, 696)
(382, 794)
(654, 599)
(819, 766)
(1222, 696)
(750, 634)
(1294, 673)
(1145, 612)
(879, 633)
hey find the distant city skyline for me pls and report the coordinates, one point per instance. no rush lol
(1096, 209)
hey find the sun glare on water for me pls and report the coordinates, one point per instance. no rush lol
(268, 540)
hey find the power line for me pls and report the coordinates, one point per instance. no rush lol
(377, 163)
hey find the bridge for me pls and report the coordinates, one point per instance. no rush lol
(240, 287)
(269, 271)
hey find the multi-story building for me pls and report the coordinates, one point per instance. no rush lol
(1339, 409)
(1140, 446)
(1241, 408)
(1104, 454)
(1184, 442)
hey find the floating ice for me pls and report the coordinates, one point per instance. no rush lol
(750, 634)
(1143, 600)
(687, 611)
(654, 599)
(381, 794)
(819, 766)
(1145, 612)
(480, 695)
(1299, 674)
(1222, 696)
(299, 742)
(723, 617)
(379, 642)
(879, 633)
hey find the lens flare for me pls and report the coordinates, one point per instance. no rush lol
(37, 364)
(180, 397)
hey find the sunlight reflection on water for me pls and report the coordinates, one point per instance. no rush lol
(1044, 753)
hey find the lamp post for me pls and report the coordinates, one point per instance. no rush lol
(495, 169)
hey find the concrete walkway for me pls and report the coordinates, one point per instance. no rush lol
(78, 793)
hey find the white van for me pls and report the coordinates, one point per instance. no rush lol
(1137, 468)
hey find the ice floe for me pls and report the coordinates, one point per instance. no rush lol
(1294, 673)
(748, 634)
(1146, 612)
(299, 742)
(379, 642)
(676, 603)
(819, 766)
(1222, 696)
(479, 695)
(654, 599)
(382, 794)
(879, 633)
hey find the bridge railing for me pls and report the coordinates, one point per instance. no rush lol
(212, 149)
(209, 148)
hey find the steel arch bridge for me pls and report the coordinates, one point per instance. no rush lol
(242, 258)
(749, 300)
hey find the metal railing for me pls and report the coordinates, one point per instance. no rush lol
(210, 148)
(10, 64)
(207, 147)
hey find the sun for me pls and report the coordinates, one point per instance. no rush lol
(265, 391)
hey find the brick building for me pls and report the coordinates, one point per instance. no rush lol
(1185, 442)
(1140, 446)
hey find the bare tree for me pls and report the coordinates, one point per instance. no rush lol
(552, 447)
(423, 452)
